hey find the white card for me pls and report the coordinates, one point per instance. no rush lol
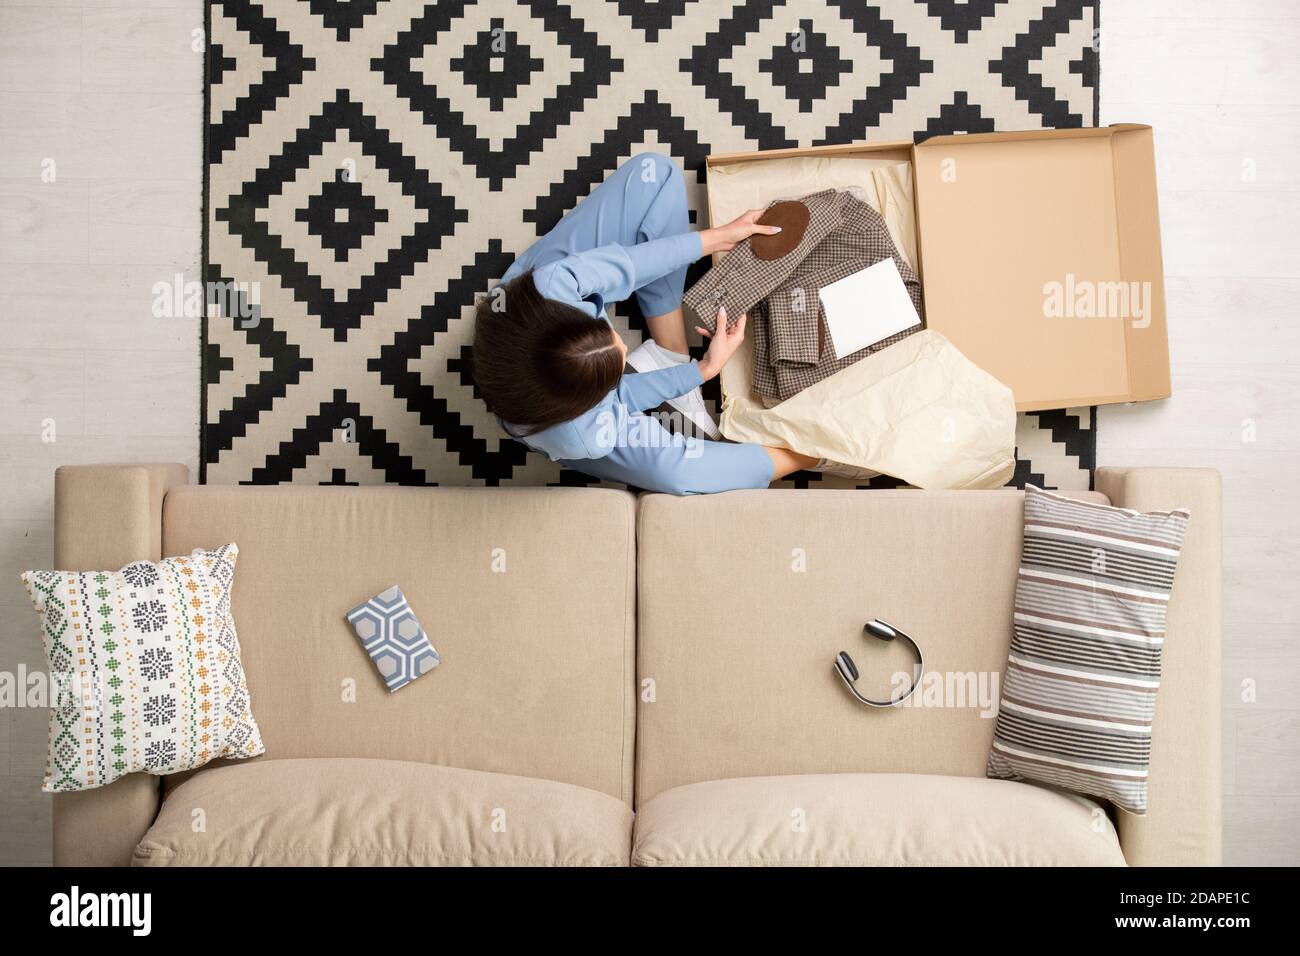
(866, 307)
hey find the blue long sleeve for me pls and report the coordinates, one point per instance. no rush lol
(642, 390)
(613, 272)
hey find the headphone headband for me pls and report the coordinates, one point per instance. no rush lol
(848, 671)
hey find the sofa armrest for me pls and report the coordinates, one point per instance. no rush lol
(1184, 822)
(106, 516)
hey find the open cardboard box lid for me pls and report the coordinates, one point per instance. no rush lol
(1039, 256)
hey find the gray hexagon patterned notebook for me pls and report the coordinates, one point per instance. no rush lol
(394, 638)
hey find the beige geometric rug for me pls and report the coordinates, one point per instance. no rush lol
(373, 165)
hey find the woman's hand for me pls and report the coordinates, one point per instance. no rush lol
(723, 344)
(724, 238)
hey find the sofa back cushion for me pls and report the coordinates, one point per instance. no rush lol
(527, 595)
(744, 603)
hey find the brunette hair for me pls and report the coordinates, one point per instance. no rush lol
(539, 362)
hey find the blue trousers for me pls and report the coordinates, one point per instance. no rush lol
(630, 207)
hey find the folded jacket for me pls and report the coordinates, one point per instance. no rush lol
(799, 354)
(741, 279)
(786, 322)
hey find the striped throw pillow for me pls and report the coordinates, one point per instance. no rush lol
(1079, 692)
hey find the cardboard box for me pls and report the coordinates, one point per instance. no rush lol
(1039, 256)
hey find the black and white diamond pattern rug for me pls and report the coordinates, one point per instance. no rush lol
(373, 165)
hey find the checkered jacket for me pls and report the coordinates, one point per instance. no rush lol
(786, 324)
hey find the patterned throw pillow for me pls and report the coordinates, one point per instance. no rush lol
(1079, 692)
(144, 667)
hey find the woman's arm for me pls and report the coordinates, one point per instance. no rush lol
(644, 390)
(614, 272)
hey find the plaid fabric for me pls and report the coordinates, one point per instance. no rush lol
(741, 280)
(797, 354)
(845, 235)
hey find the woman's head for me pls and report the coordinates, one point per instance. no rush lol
(538, 362)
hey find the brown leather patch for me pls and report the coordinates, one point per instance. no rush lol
(792, 217)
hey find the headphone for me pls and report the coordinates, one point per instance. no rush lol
(848, 671)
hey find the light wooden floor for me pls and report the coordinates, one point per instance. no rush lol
(1220, 82)
(111, 92)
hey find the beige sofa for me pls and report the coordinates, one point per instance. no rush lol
(604, 654)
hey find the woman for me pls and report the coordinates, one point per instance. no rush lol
(550, 366)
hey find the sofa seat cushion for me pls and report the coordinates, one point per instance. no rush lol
(743, 682)
(362, 812)
(871, 820)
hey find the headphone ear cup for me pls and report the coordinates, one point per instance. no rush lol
(880, 629)
(845, 663)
